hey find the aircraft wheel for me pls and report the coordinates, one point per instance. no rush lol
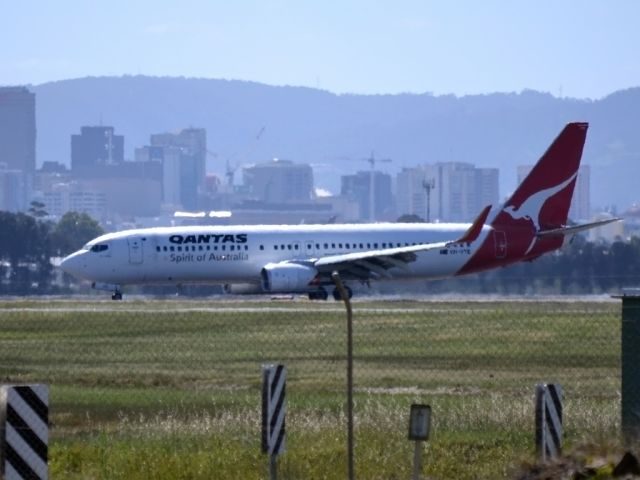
(116, 296)
(320, 294)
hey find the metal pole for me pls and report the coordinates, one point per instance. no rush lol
(630, 400)
(347, 302)
(273, 471)
(417, 461)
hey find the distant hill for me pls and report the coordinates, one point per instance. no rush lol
(308, 125)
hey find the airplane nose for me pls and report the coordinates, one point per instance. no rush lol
(73, 264)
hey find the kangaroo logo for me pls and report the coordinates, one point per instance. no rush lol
(530, 209)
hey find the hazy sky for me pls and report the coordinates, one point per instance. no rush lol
(586, 48)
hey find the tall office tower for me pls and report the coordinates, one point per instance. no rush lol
(358, 187)
(417, 192)
(18, 129)
(279, 181)
(94, 148)
(184, 166)
(580, 208)
(465, 190)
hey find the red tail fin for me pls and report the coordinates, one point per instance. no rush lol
(541, 203)
(544, 196)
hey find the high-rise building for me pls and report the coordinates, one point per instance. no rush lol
(184, 165)
(450, 191)
(416, 192)
(279, 181)
(18, 129)
(580, 208)
(15, 188)
(95, 148)
(358, 187)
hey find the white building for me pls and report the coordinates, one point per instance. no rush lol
(451, 191)
(75, 196)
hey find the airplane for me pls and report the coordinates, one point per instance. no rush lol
(301, 258)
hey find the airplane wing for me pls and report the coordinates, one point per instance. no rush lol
(575, 228)
(377, 263)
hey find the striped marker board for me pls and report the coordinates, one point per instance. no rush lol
(549, 430)
(24, 431)
(274, 379)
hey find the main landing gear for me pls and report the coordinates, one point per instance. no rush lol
(117, 295)
(336, 293)
(321, 294)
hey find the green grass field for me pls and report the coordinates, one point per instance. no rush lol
(171, 389)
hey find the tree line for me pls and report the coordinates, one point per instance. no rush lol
(29, 243)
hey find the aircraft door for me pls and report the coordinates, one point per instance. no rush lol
(500, 241)
(309, 249)
(135, 250)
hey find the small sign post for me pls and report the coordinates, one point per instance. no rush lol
(549, 430)
(274, 379)
(419, 427)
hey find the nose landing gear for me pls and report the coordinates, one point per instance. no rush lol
(117, 295)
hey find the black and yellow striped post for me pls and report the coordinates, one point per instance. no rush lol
(24, 432)
(630, 375)
(274, 380)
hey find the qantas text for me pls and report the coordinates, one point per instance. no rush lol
(209, 238)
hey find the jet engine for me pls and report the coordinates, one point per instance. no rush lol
(287, 277)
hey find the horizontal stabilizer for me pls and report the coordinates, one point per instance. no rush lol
(575, 228)
(476, 227)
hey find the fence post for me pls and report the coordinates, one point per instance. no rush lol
(347, 303)
(24, 431)
(630, 375)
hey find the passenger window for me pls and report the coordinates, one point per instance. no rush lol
(346, 245)
(164, 248)
(333, 245)
(172, 248)
(295, 247)
(224, 247)
(246, 247)
(375, 245)
(368, 245)
(200, 247)
(289, 247)
(317, 246)
(232, 247)
(384, 245)
(207, 248)
(282, 247)
(261, 247)
(339, 245)
(361, 246)
(326, 245)
(179, 249)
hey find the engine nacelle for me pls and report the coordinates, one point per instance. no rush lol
(288, 277)
(242, 288)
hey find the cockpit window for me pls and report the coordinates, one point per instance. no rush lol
(99, 247)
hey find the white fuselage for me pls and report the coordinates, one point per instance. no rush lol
(237, 254)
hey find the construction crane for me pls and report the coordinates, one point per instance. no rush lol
(230, 168)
